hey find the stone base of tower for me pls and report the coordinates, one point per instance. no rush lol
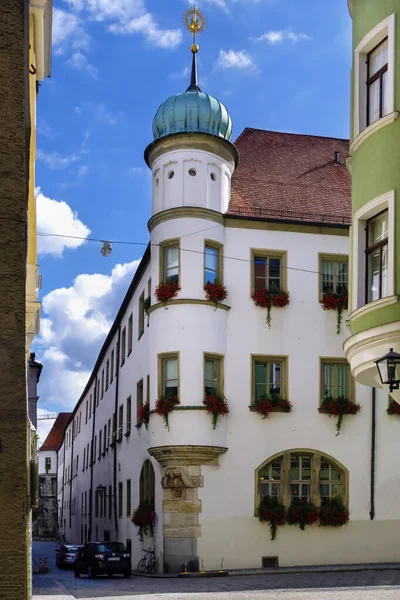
(181, 504)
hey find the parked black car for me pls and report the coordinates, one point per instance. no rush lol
(66, 555)
(103, 558)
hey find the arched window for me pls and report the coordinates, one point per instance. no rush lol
(307, 474)
(147, 483)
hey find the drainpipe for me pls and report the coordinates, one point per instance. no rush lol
(116, 429)
(373, 436)
(91, 461)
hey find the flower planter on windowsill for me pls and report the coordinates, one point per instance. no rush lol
(253, 408)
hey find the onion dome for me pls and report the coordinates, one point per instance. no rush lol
(192, 112)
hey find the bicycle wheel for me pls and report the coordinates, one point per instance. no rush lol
(142, 565)
(151, 565)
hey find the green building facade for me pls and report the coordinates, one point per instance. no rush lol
(374, 162)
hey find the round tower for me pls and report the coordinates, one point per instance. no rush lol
(192, 161)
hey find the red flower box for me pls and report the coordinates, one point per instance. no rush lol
(338, 407)
(272, 511)
(266, 405)
(215, 292)
(394, 408)
(270, 298)
(338, 302)
(301, 512)
(166, 291)
(144, 414)
(333, 513)
(164, 406)
(216, 406)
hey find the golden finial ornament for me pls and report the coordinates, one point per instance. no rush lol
(195, 23)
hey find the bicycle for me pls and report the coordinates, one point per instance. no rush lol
(148, 562)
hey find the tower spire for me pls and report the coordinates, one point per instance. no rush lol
(195, 23)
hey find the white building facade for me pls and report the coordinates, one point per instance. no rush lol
(282, 219)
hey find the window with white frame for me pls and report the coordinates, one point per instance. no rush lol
(374, 73)
(374, 253)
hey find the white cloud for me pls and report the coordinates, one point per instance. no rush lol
(145, 24)
(83, 170)
(235, 60)
(77, 320)
(54, 217)
(68, 31)
(55, 160)
(103, 115)
(279, 36)
(79, 62)
(138, 171)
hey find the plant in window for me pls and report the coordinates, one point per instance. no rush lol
(215, 292)
(338, 407)
(393, 408)
(338, 302)
(164, 406)
(265, 405)
(267, 298)
(216, 406)
(272, 511)
(166, 291)
(147, 304)
(144, 518)
(301, 512)
(144, 414)
(333, 513)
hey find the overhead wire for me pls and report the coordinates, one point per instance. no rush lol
(131, 243)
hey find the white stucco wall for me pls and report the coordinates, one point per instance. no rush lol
(302, 331)
(43, 454)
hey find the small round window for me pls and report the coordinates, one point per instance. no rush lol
(171, 174)
(192, 172)
(213, 176)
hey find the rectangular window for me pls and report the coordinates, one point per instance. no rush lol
(128, 498)
(139, 399)
(148, 390)
(213, 262)
(84, 459)
(377, 82)
(377, 257)
(104, 439)
(268, 270)
(102, 383)
(130, 333)
(213, 375)
(82, 504)
(94, 449)
(141, 316)
(100, 443)
(270, 478)
(330, 482)
(120, 500)
(128, 415)
(169, 375)
(336, 379)
(47, 464)
(112, 366)
(169, 261)
(300, 477)
(96, 505)
(87, 455)
(120, 422)
(90, 406)
(269, 377)
(114, 429)
(108, 433)
(107, 373)
(86, 412)
(123, 346)
(333, 274)
(109, 502)
(98, 392)
(85, 503)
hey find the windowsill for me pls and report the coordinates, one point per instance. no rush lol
(372, 306)
(103, 453)
(119, 440)
(129, 352)
(127, 434)
(253, 408)
(139, 424)
(371, 129)
(122, 364)
(325, 411)
(140, 334)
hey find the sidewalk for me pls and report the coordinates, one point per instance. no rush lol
(280, 571)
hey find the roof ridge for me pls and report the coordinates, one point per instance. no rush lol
(325, 137)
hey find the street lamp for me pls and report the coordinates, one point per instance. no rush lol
(101, 491)
(389, 370)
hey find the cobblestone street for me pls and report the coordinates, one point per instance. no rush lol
(356, 585)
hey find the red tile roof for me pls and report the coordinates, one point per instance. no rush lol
(56, 433)
(291, 177)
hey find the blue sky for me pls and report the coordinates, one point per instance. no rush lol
(276, 64)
